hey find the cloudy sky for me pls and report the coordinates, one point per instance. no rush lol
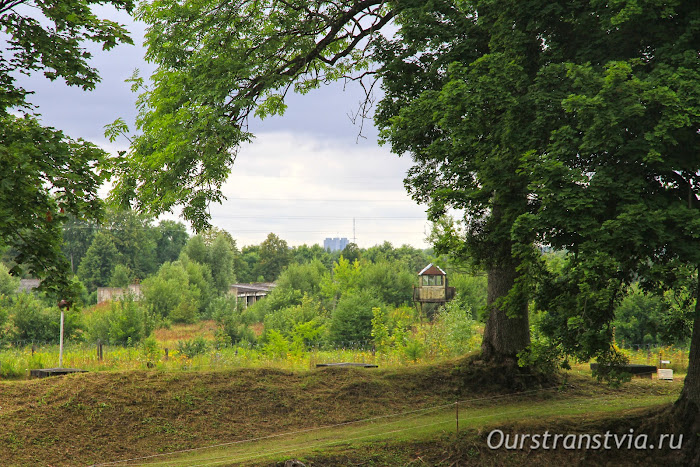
(305, 177)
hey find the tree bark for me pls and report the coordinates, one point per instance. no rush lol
(686, 409)
(504, 337)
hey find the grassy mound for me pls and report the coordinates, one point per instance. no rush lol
(101, 417)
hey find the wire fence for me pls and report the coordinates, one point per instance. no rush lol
(402, 415)
(469, 412)
(17, 358)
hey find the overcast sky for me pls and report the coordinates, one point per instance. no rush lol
(305, 177)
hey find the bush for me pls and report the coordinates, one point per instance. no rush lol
(193, 347)
(170, 294)
(126, 323)
(470, 294)
(351, 320)
(8, 284)
(232, 329)
(32, 321)
(286, 319)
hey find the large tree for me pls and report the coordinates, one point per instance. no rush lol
(193, 116)
(46, 175)
(619, 184)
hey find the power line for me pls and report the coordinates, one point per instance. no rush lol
(324, 200)
(321, 217)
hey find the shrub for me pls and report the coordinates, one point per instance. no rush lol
(8, 284)
(286, 319)
(414, 350)
(126, 323)
(351, 320)
(193, 347)
(32, 321)
(232, 329)
(171, 294)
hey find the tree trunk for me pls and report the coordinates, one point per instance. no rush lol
(504, 337)
(686, 409)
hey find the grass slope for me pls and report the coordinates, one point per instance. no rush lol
(101, 417)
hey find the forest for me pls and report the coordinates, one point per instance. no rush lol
(356, 298)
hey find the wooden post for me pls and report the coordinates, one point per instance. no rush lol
(33, 348)
(166, 355)
(99, 350)
(457, 415)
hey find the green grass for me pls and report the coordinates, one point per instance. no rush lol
(411, 426)
(98, 417)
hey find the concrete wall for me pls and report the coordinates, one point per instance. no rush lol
(105, 294)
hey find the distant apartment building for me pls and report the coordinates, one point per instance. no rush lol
(335, 244)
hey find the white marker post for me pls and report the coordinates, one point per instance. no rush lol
(63, 304)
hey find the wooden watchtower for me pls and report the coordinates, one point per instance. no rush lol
(432, 287)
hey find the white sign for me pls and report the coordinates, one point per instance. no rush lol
(664, 374)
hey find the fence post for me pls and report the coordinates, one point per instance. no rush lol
(99, 350)
(457, 415)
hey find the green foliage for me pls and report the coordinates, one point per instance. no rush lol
(126, 323)
(294, 283)
(232, 330)
(470, 293)
(4, 315)
(285, 319)
(306, 278)
(638, 319)
(200, 279)
(414, 350)
(345, 278)
(351, 320)
(135, 239)
(217, 253)
(46, 175)
(32, 321)
(170, 294)
(196, 249)
(150, 349)
(204, 89)
(389, 281)
(121, 276)
(620, 116)
(276, 345)
(458, 327)
(542, 356)
(8, 284)
(274, 257)
(172, 237)
(380, 330)
(193, 347)
(221, 262)
(77, 238)
(351, 252)
(99, 261)
(249, 259)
